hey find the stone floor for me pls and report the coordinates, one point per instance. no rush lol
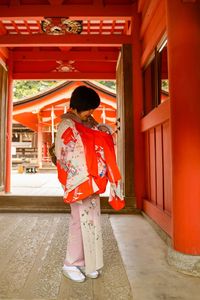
(142, 250)
(144, 256)
(32, 251)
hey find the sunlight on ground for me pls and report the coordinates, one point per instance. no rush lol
(44, 184)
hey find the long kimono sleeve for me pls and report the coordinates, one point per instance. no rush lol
(60, 149)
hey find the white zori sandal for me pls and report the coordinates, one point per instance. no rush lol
(92, 275)
(73, 273)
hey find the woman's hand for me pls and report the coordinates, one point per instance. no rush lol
(105, 128)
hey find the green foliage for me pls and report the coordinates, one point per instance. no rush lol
(110, 84)
(28, 88)
(165, 85)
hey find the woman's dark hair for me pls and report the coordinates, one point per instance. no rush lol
(84, 98)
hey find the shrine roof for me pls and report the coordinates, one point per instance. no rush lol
(56, 101)
(59, 87)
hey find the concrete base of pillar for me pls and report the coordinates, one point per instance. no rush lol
(187, 264)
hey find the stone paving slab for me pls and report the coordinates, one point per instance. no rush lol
(144, 255)
(32, 250)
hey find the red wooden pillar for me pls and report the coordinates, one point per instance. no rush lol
(183, 25)
(9, 126)
(39, 141)
(139, 177)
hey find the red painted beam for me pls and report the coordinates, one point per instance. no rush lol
(83, 12)
(157, 116)
(42, 40)
(65, 75)
(108, 56)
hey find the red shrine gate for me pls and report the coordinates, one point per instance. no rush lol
(159, 136)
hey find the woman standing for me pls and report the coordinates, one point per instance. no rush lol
(85, 162)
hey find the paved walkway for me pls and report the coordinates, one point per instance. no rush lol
(142, 250)
(144, 256)
(32, 251)
(39, 184)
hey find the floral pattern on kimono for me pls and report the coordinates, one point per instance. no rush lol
(71, 156)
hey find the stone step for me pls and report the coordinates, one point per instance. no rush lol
(23, 203)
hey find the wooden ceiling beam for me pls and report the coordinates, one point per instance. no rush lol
(65, 76)
(108, 56)
(43, 40)
(82, 12)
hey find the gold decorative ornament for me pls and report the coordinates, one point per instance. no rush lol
(61, 26)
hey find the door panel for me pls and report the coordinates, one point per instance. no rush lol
(125, 122)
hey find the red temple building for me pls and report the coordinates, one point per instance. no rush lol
(42, 113)
(148, 46)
